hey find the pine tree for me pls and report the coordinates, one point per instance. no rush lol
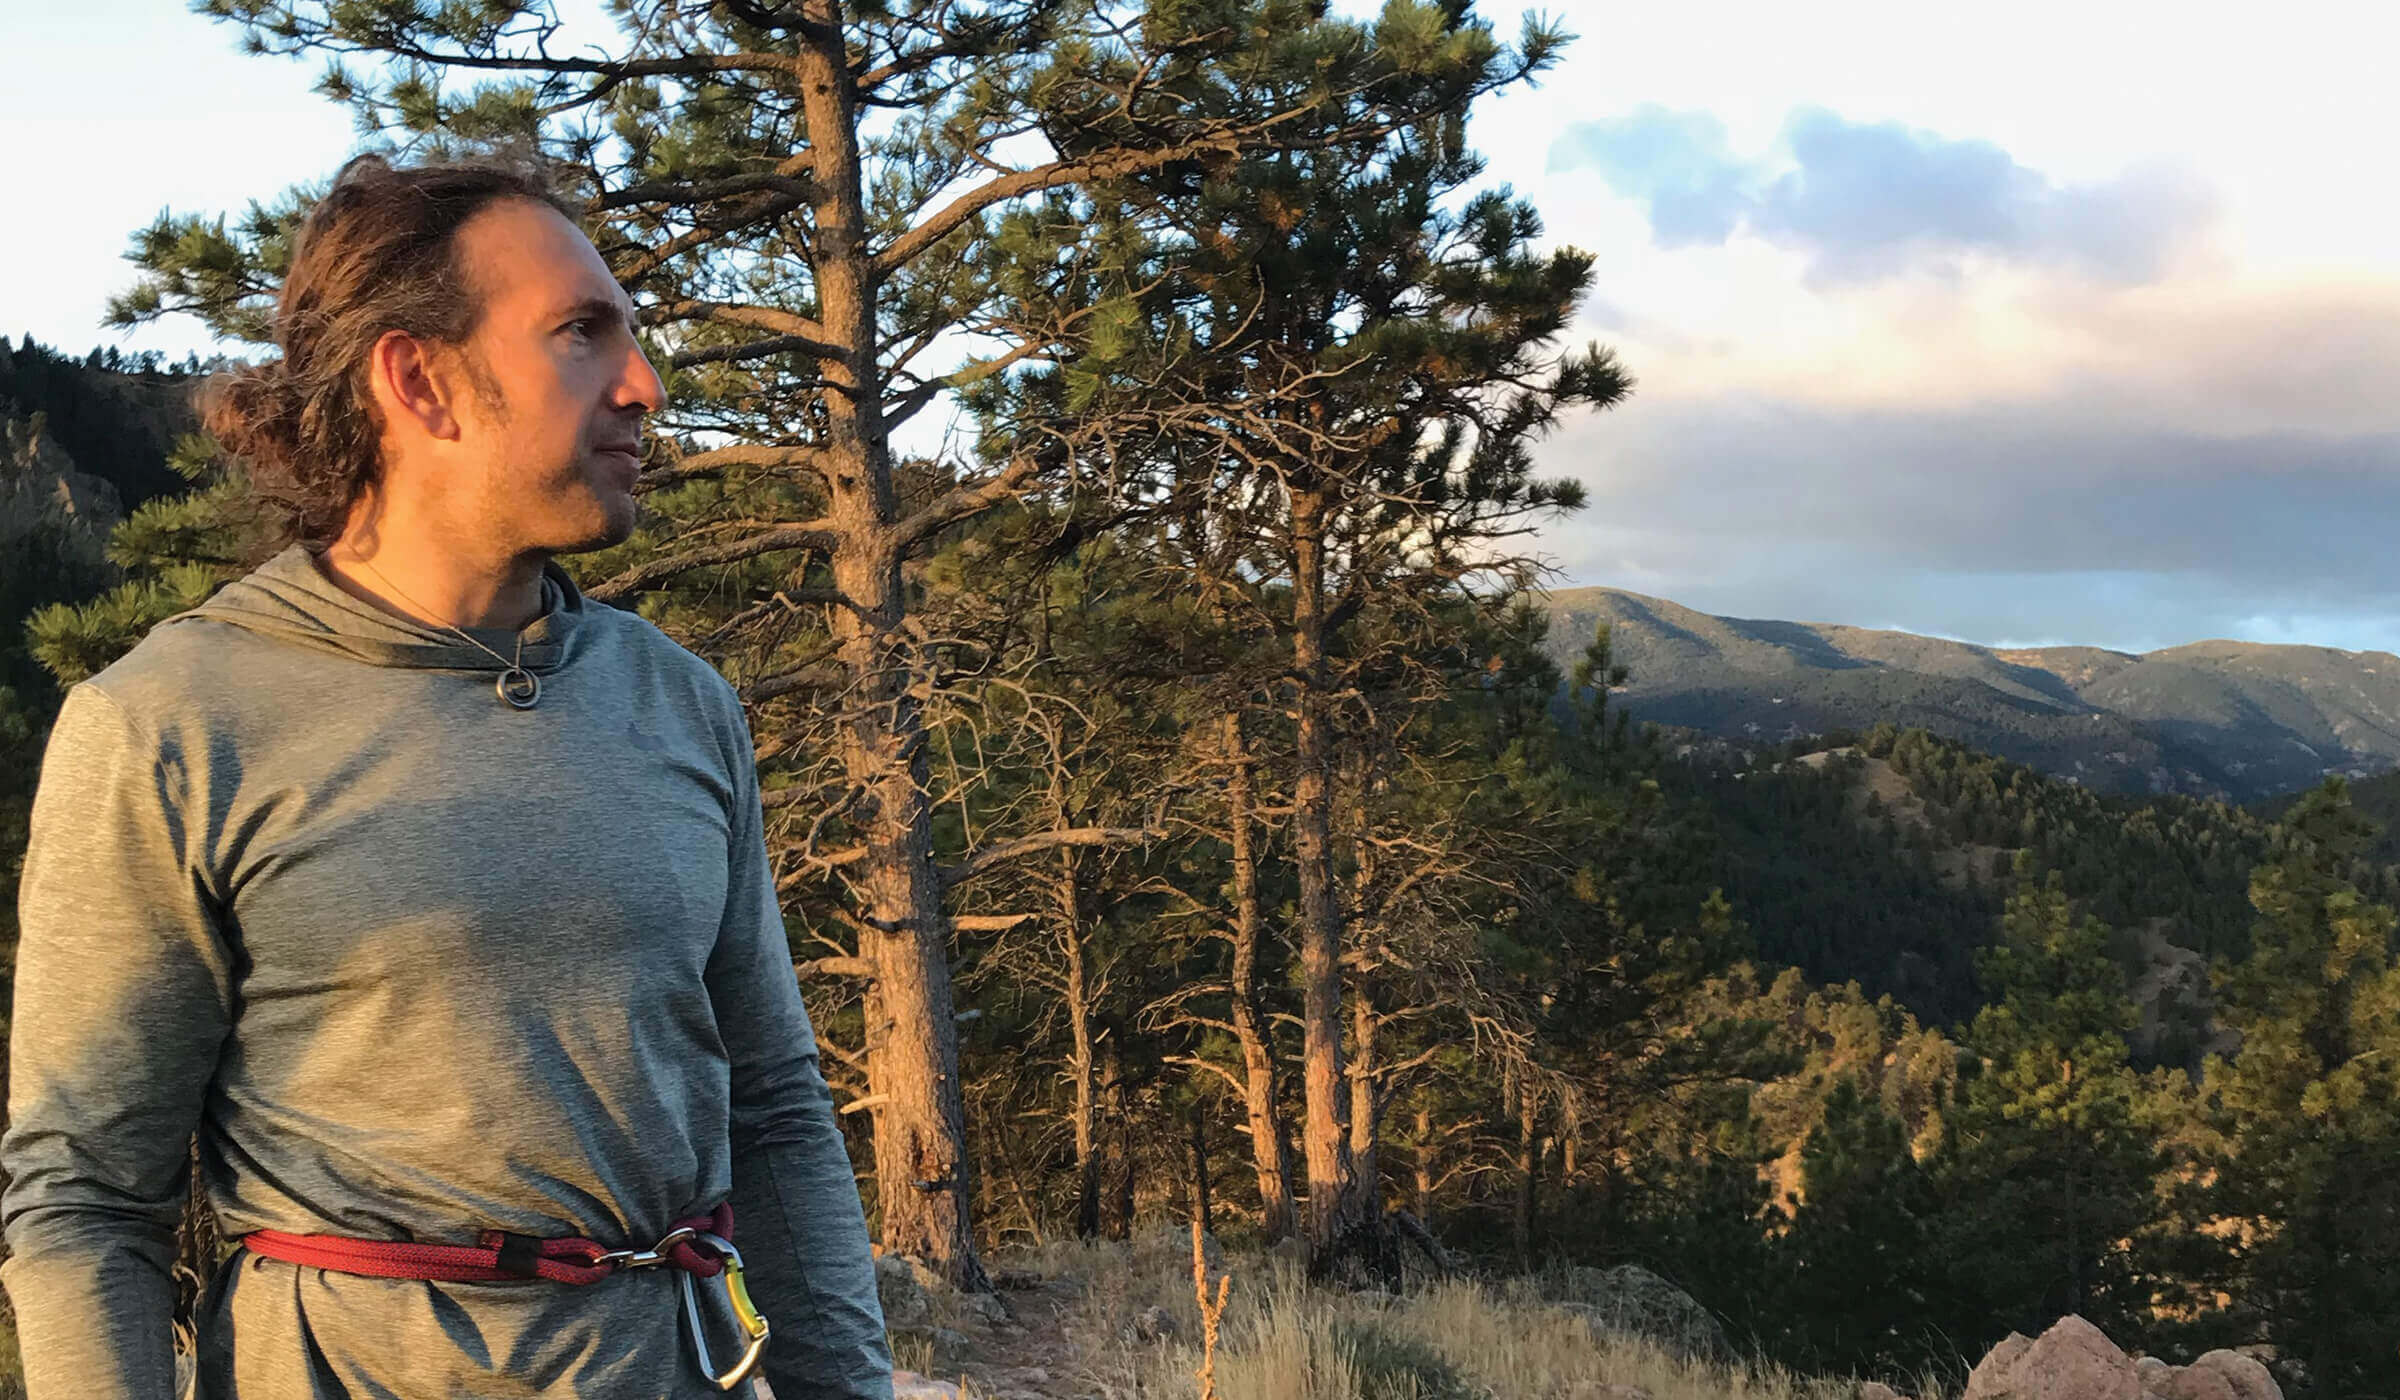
(1865, 1283)
(2049, 1167)
(798, 257)
(1346, 354)
(2300, 1206)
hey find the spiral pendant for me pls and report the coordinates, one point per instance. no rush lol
(519, 687)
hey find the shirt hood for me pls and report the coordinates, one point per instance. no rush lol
(290, 599)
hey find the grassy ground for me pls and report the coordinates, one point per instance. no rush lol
(1084, 1329)
(1121, 1321)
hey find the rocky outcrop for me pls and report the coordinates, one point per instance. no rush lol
(2244, 1377)
(900, 1291)
(1633, 1301)
(2072, 1361)
(2076, 1361)
(38, 477)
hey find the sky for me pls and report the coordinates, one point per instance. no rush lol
(2020, 324)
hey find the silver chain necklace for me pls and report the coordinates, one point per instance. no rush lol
(518, 686)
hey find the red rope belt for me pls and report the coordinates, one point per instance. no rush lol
(702, 1247)
(499, 1256)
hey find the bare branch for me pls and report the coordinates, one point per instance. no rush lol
(804, 334)
(989, 923)
(686, 193)
(1016, 848)
(818, 535)
(910, 404)
(714, 462)
(965, 502)
(1213, 1068)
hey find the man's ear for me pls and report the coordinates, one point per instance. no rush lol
(409, 388)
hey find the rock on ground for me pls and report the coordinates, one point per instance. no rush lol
(2218, 1375)
(902, 1295)
(2072, 1361)
(2188, 1383)
(1152, 1324)
(2075, 1361)
(2246, 1376)
(1630, 1299)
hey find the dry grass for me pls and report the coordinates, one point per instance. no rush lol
(1280, 1339)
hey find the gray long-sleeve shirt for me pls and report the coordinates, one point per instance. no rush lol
(414, 964)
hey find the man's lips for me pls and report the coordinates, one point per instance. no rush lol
(623, 465)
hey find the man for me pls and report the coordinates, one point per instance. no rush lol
(433, 897)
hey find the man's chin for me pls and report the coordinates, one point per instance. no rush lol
(615, 526)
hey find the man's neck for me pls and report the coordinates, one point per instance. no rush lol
(416, 578)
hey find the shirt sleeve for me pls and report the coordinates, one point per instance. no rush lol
(796, 1210)
(123, 996)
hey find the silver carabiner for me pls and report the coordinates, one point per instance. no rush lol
(745, 1313)
(651, 1257)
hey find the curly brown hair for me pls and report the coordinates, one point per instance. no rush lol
(378, 253)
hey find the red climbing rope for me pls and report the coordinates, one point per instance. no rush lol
(500, 1256)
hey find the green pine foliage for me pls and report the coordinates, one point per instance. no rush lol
(2051, 1163)
(1750, 1131)
(1841, 1037)
(2295, 1208)
(1834, 885)
(1865, 1276)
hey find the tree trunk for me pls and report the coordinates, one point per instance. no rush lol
(1332, 1191)
(1200, 1188)
(1366, 1105)
(1258, 1057)
(1011, 1174)
(1529, 1169)
(921, 1163)
(1081, 1066)
(1570, 1130)
(1422, 1165)
(1366, 1067)
(1120, 1225)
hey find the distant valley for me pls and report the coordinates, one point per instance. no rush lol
(2230, 720)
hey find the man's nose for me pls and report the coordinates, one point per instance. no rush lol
(639, 386)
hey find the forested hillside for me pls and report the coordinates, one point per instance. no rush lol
(1748, 1012)
(1182, 804)
(81, 442)
(2229, 720)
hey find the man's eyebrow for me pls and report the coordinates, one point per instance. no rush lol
(601, 308)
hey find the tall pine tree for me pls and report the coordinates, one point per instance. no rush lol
(2299, 1201)
(2049, 1165)
(806, 200)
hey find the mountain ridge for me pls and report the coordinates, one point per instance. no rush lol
(2219, 717)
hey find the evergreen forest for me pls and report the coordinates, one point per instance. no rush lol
(1180, 806)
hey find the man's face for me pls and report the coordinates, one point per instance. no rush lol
(552, 430)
